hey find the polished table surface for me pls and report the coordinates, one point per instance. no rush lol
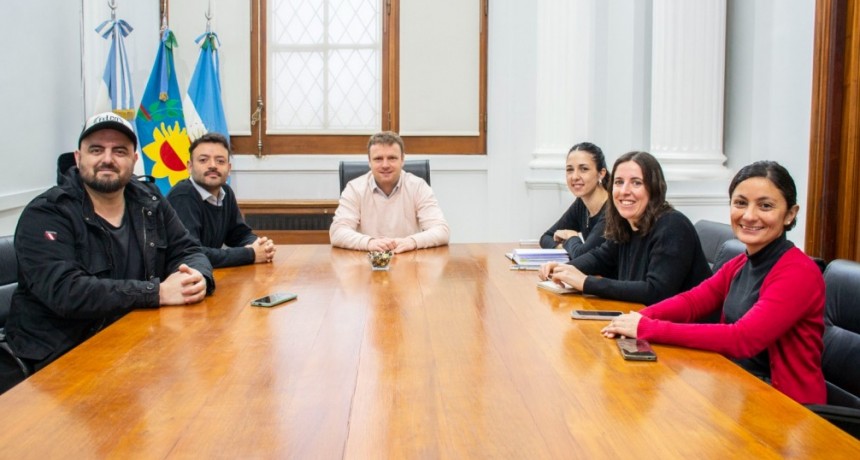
(448, 355)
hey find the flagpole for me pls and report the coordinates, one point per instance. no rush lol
(209, 18)
(83, 65)
(163, 16)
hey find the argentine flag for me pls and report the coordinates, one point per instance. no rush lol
(204, 111)
(115, 93)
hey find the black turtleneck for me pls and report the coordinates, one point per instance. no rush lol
(744, 292)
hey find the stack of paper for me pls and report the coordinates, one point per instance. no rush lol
(529, 257)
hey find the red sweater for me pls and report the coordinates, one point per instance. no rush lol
(787, 319)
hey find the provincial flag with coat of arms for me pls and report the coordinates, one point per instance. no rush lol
(160, 120)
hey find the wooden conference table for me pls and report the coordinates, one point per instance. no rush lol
(448, 355)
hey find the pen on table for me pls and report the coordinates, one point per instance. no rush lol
(522, 267)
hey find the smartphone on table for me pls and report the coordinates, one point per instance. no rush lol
(273, 299)
(604, 315)
(636, 349)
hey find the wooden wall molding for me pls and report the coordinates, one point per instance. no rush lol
(290, 221)
(834, 152)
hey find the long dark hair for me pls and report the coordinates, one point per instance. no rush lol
(777, 175)
(597, 156)
(617, 227)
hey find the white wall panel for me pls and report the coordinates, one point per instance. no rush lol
(40, 86)
(769, 89)
(439, 67)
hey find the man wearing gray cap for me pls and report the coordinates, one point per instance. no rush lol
(92, 249)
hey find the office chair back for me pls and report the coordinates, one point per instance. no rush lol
(349, 170)
(841, 360)
(64, 162)
(8, 283)
(726, 252)
(712, 235)
(842, 346)
(8, 275)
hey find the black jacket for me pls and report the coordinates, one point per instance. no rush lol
(66, 287)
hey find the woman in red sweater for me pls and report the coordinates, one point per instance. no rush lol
(771, 298)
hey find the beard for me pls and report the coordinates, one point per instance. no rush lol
(210, 184)
(105, 185)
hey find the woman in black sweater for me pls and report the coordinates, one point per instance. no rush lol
(651, 250)
(580, 228)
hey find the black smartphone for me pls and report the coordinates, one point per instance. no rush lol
(273, 299)
(636, 350)
(604, 315)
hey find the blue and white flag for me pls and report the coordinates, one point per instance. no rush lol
(204, 110)
(115, 93)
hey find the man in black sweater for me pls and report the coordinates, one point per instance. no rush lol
(208, 208)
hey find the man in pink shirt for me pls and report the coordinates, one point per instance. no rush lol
(388, 209)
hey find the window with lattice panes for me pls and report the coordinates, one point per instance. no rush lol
(324, 72)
